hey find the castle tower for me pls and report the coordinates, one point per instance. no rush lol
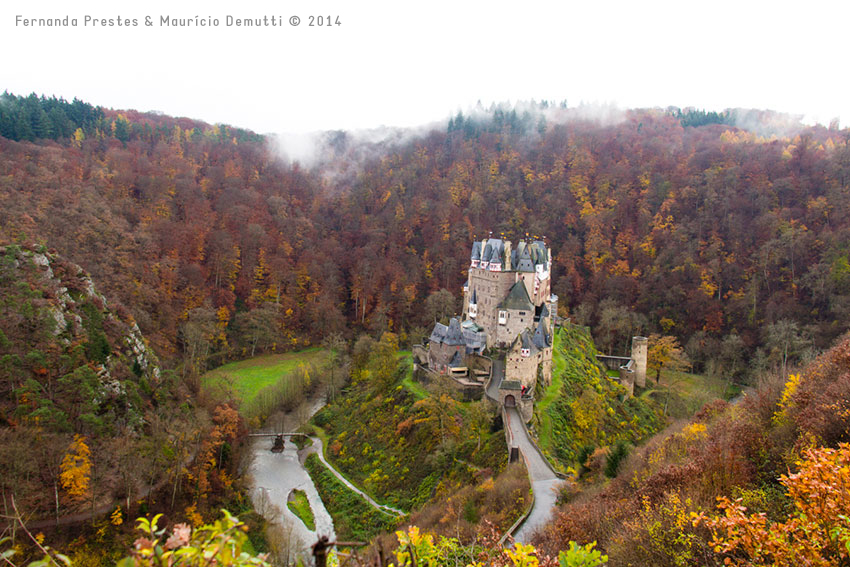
(639, 355)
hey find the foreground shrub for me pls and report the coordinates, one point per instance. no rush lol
(816, 533)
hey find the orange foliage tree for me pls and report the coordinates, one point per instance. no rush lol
(817, 533)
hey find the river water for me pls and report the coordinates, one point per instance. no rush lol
(272, 476)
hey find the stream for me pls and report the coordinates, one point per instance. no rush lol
(272, 476)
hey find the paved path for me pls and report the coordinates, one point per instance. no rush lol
(317, 448)
(543, 479)
(498, 374)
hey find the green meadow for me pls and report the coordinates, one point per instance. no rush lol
(243, 381)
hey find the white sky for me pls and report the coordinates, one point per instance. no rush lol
(404, 63)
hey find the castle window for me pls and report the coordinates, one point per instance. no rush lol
(503, 317)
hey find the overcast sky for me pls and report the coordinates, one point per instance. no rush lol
(400, 63)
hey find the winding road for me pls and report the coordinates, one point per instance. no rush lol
(497, 374)
(543, 479)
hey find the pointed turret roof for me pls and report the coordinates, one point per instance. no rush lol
(539, 252)
(486, 253)
(456, 361)
(439, 333)
(517, 298)
(454, 334)
(541, 337)
(476, 250)
(526, 264)
(494, 250)
(544, 312)
(526, 341)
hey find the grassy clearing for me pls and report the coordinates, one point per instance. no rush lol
(300, 506)
(244, 379)
(353, 517)
(683, 394)
(415, 388)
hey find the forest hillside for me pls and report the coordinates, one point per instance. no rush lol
(733, 240)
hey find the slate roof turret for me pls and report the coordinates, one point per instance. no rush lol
(541, 338)
(497, 250)
(528, 341)
(540, 254)
(439, 333)
(486, 253)
(526, 264)
(454, 334)
(476, 250)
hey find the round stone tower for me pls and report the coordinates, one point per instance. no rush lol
(639, 355)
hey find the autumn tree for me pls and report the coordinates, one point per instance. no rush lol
(381, 361)
(785, 341)
(198, 331)
(338, 361)
(815, 532)
(439, 412)
(617, 324)
(257, 328)
(665, 352)
(76, 469)
(439, 305)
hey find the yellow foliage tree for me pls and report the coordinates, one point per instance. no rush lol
(75, 470)
(665, 352)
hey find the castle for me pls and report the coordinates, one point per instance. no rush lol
(509, 310)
